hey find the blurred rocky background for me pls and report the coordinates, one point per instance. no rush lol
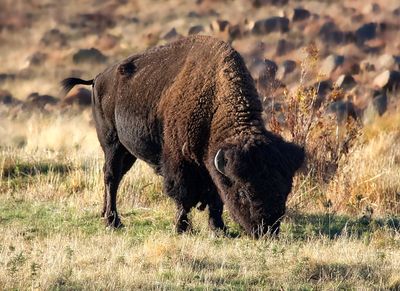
(357, 46)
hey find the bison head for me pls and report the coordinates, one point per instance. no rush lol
(254, 180)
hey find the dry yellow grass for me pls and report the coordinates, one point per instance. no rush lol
(53, 237)
(113, 261)
(369, 177)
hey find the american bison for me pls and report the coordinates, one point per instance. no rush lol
(191, 111)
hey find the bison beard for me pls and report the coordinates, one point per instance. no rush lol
(190, 110)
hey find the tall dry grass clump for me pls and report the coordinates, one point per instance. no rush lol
(369, 178)
(349, 169)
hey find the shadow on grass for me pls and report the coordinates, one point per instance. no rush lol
(302, 225)
(46, 218)
(17, 169)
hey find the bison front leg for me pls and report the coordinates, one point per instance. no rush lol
(177, 185)
(177, 190)
(117, 162)
(215, 208)
(182, 222)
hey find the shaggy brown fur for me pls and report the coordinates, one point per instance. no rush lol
(175, 107)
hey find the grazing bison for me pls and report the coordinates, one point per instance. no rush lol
(190, 110)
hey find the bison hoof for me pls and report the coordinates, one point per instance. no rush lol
(183, 226)
(217, 225)
(112, 220)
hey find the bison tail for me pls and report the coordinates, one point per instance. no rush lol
(69, 83)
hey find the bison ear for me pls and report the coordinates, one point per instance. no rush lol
(220, 162)
(294, 154)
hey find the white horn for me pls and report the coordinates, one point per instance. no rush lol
(219, 162)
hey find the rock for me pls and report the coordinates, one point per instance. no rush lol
(267, 84)
(345, 82)
(377, 106)
(388, 80)
(15, 20)
(331, 63)
(283, 47)
(89, 56)
(270, 69)
(4, 77)
(134, 20)
(234, 32)
(277, 2)
(259, 3)
(380, 102)
(256, 67)
(323, 88)
(219, 25)
(79, 96)
(193, 14)
(266, 69)
(7, 99)
(300, 14)
(37, 59)
(347, 10)
(289, 66)
(268, 88)
(373, 47)
(26, 73)
(357, 18)
(151, 39)
(195, 29)
(397, 59)
(371, 8)
(366, 32)
(170, 35)
(92, 22)
(34, 100)
(343, 109)
(386, 61)
(354, 69)
(366, 66)
(349, 66)
(265, 79)
(54, 37)
(107, 41)
(331, 34)
(286, 68)
(256, 52)
(273, 24)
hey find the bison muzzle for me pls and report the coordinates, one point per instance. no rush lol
(190, 110)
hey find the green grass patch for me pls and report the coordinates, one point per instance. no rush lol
(42, 219)
(45, 218)
(303, 225)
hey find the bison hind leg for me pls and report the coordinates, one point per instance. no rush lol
(117, 162)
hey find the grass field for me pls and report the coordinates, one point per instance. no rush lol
(53, 237)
